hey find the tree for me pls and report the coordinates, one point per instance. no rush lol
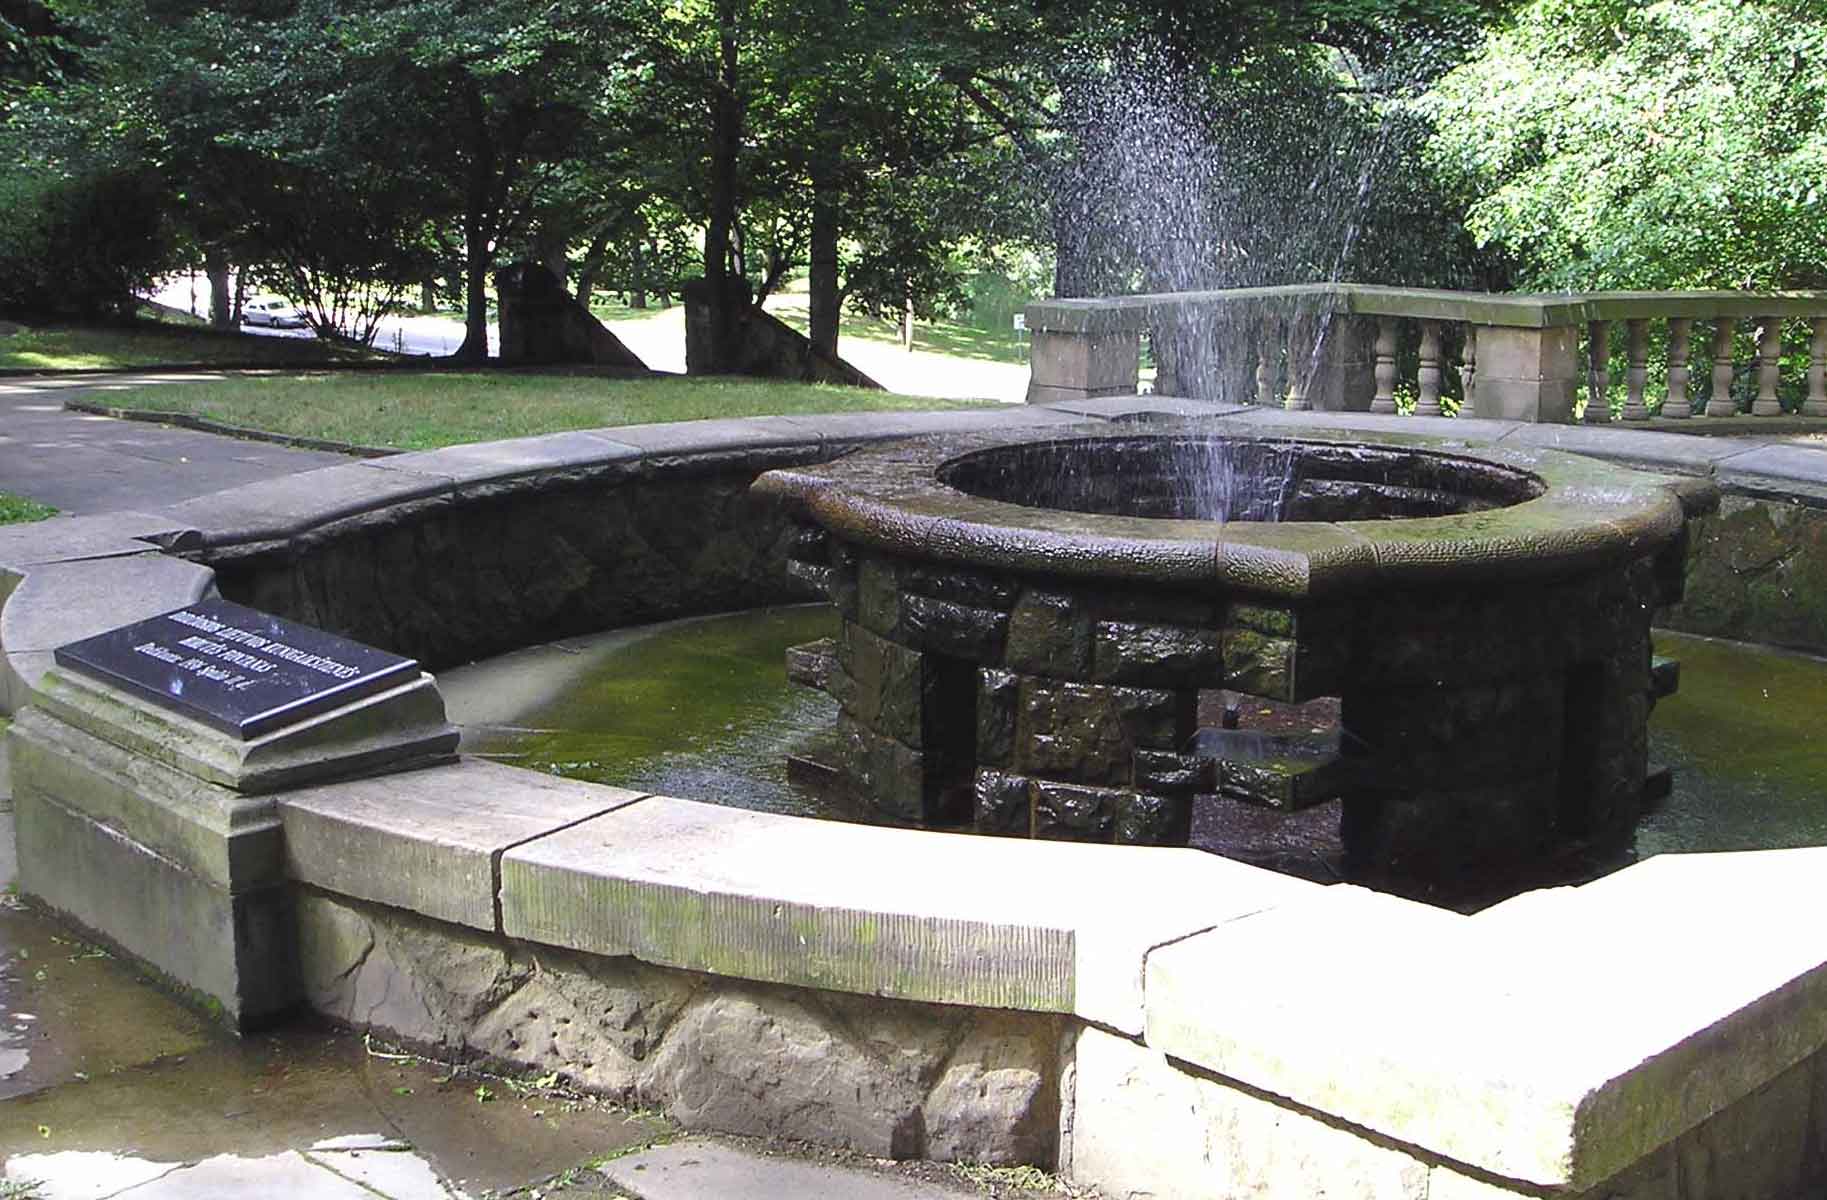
(1640, 145)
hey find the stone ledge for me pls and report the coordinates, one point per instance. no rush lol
(55, 602)
(900, 913)
(430, 841)
(66, 539)
(1574, 1035)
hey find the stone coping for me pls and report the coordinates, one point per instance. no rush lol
(895, 499)
(1139, 313)
(1552, 1039)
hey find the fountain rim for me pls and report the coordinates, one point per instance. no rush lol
(892, 499)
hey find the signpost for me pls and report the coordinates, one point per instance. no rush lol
(235, 669)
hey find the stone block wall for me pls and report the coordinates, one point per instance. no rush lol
(1757, 572)
(889, 1078)
(446, 583)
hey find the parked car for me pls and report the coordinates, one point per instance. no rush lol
(279, 314)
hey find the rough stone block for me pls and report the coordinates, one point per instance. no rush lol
(888, 685)
(960, 586)
(890, 774)
(1144, 819)
(998, 699)
(386, 971)
(1168, 774)
(1048, 635)
(596, 1021)
(1069, 812)
(1003, 804)
(1090, 732)
(1287, 784)
(958, 630)
(811, 665)
(997, 1100)
(769, 1066)
(878, 597)
(1133, 652)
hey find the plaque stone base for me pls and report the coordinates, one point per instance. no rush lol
(160, 835)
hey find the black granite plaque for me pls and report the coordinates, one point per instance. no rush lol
(242, 671)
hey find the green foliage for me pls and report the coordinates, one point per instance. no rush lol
(1643, 144)
(17, 510)
(79, 246)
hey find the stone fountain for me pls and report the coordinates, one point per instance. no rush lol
(1028, 621)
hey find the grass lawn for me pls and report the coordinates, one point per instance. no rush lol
(940, 337)
(147, 343)
(421, 411)
(17, 510)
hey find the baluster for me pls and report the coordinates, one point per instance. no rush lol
(1680, 344)
(1816, 404)
(1267, 366)
(1598, 372)
(1769, 368)
(1301, 334)
(1720, 403)
(1427, 404)
(1637, 370)
(1468, 371)
(1385, 399)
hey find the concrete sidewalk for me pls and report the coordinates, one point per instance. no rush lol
(81, 464)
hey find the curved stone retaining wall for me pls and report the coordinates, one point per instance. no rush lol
(1153, 1019)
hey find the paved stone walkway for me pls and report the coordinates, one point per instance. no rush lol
(83, 464)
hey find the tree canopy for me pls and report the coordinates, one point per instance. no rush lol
(346, 150)
(1670, 144)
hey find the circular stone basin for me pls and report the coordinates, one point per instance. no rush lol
(1237, 479)
(1283, 517)
(1027, 622)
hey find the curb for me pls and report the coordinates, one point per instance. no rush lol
(205, 425)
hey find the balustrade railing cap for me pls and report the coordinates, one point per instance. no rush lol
(1139, 313)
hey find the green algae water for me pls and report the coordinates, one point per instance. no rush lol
(703, 709)
(1746, 736)
(699, 708)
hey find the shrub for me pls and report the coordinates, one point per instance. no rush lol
(80, 247)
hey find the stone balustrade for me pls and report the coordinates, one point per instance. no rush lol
(1519, 357)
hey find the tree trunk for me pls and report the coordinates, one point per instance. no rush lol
(823, 302)
(907, 317)
(240, 297)
(478, 248)
(637, 266)
(592, 265)
(476, 257)
(726, 144)
(428, 295)
(221, 298)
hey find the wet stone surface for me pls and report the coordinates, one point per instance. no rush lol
(107, 1084)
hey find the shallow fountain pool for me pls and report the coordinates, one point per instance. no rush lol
(702, 708)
